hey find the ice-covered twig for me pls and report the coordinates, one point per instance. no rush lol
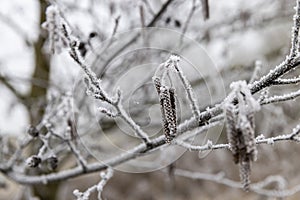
(208, 146)
(295, 33)
(53, 24)
(141, 149)
(291, 61)
(139, 132)
(283, 81)
(79, 157)
(107, 112)
(174, 61)
(81, 161)
(258, 187)
(94, 84)
(274, 74)
(258, 140)
(280, 98)
(105, 176)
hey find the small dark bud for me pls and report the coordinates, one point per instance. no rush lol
(82, 49)
(93, 34)
(81, 46)
(32, 130)
(52, 162)
(177, 23)
(168, 19)
(33, 161)
(74, 43)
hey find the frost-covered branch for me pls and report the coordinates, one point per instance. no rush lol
(208, 146)
(295, 33)
(280, 98)
(174, 61)
(93, 83)
(258, 187)
(139, 150)
(105, 176)
(294, 136)
(282, 81)
(237, 108)
(291, 61)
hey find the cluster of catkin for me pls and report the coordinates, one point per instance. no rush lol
(240, 126)
(168, 108)
(167, 95)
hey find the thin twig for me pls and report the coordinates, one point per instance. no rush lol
(98, 187)
(255, 187)
(137, 151)
(187, 22)
(135, 37)
(281, 81)
(280, 98)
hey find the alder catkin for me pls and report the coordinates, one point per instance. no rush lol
(167, 110)
(157, 84)
(173, 107)
(232, 131)
(245, 171)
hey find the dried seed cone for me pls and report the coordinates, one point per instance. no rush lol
(33, 131)
(33, 161)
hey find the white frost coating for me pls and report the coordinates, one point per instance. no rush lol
(280, 98)
(241, 88)
(295, 33)
(174, 60)
(53, 25)
(105, 176)
(260, 137)
(270, 141)
(282, 81)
